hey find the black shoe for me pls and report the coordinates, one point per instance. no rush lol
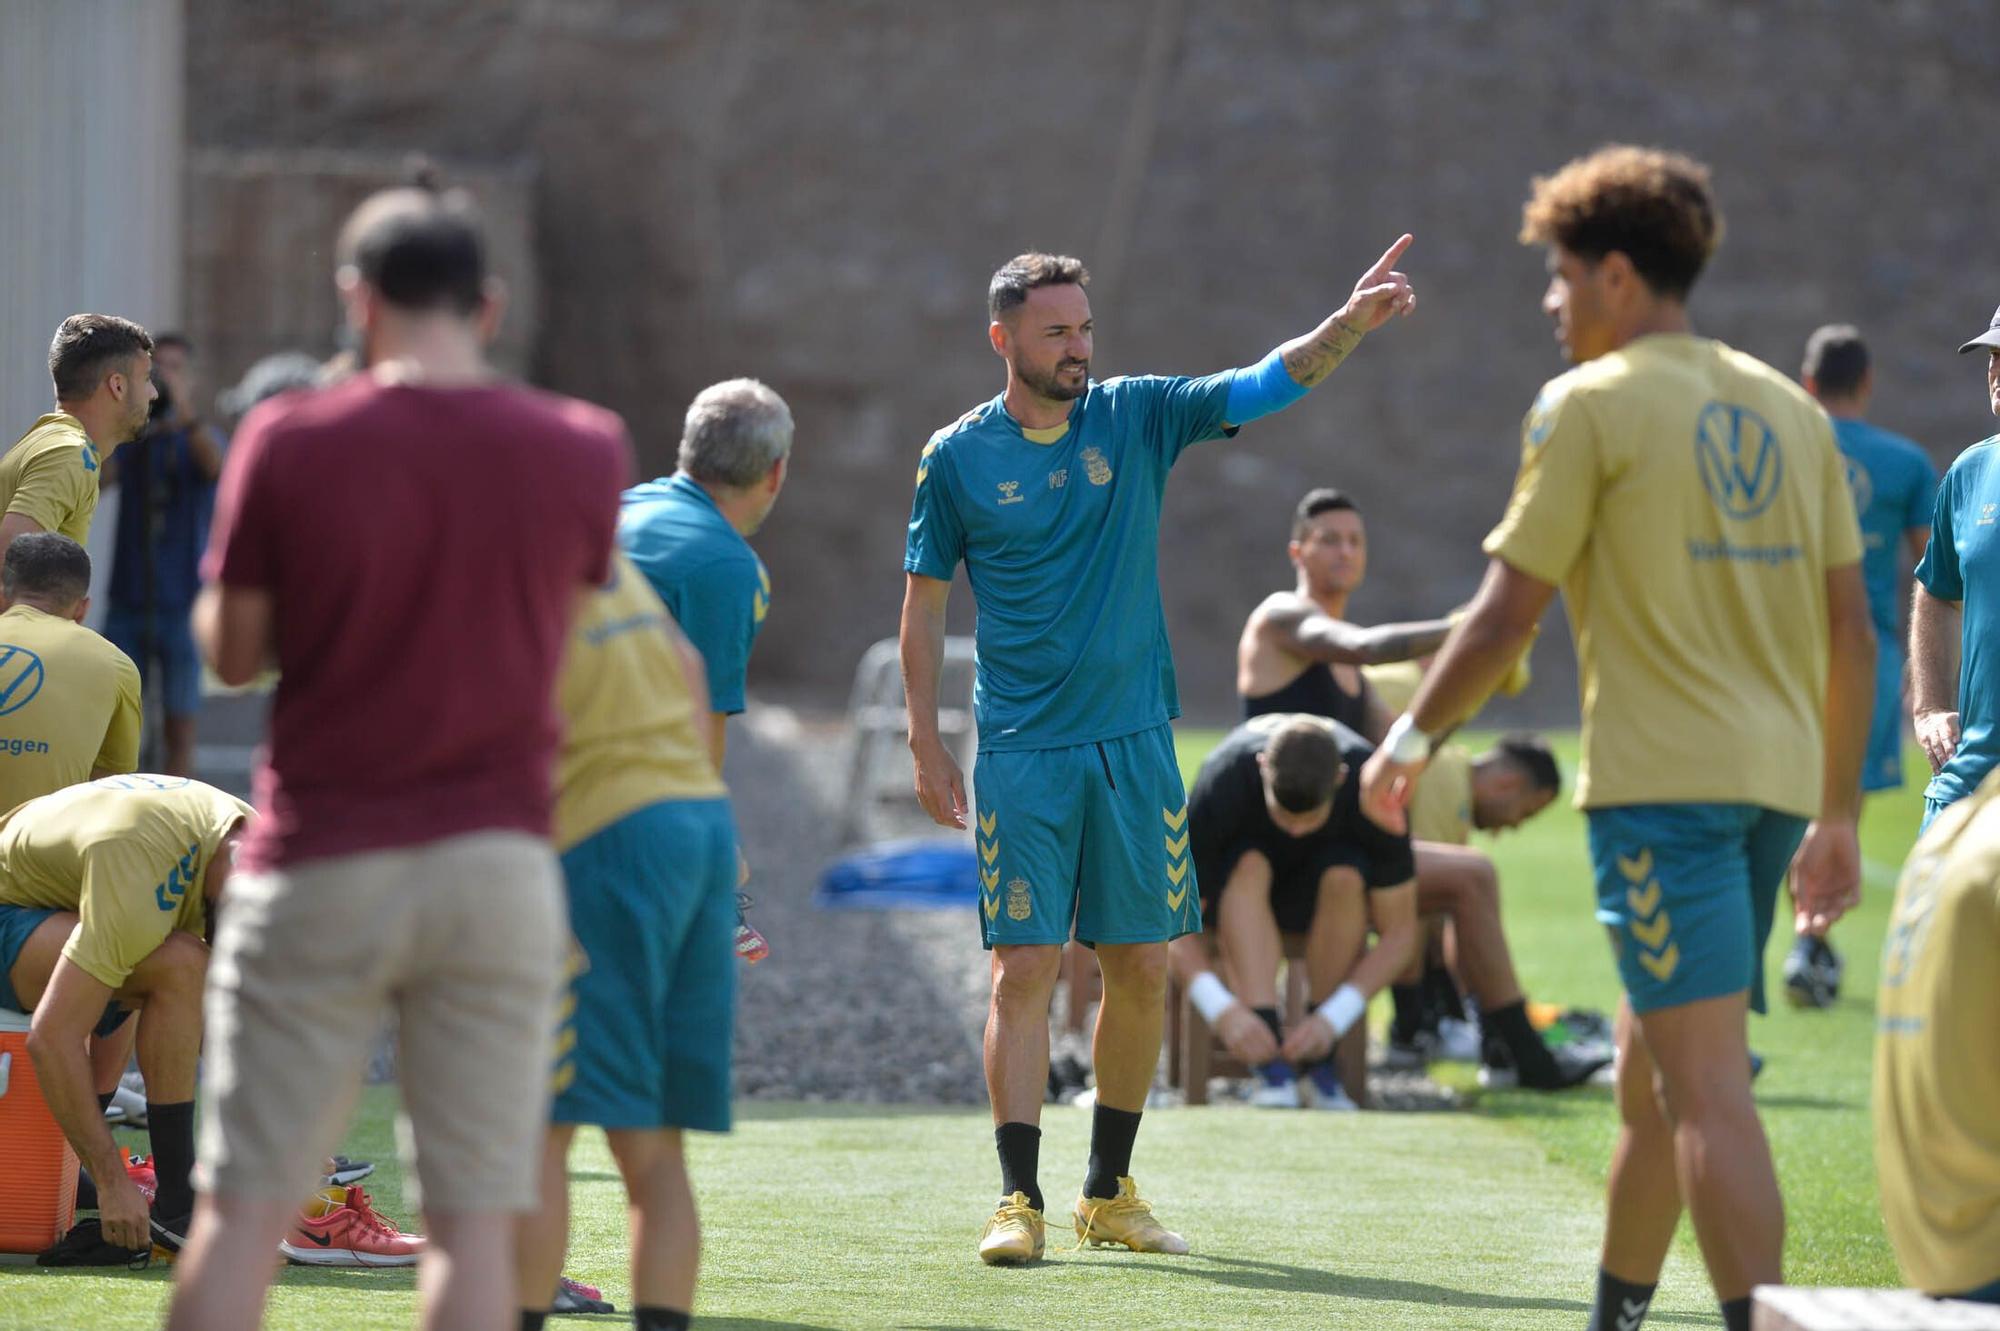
(1812, 973)
(341, 1171)
(170, 1231)
(1067, 1076)
(1566, 1069)
(85, 1245)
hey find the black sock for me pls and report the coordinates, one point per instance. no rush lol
(1736, 1314)
(533, 1321)
(1020, 1159)
(172, 1130)
(1510, 1026)
(1409, 1018)
(1270, 1016)
(1112, 1132)
(1441, 993)
(1621, 1305)
(661, 1319)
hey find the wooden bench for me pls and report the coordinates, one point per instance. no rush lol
(1782, 1308)
(1194, 1054)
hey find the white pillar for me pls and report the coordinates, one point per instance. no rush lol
(90, 187)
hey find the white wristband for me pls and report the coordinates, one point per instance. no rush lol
(1405, 743)
(1343, 1009)
(1210, 996)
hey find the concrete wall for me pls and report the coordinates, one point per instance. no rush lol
(815, 193)
(90, 185)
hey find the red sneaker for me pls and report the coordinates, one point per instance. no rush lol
(339, 1227)
(139, 1169)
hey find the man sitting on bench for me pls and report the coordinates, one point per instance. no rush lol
(1280, 847)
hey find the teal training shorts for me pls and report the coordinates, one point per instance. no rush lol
(1689, 892)
(1092, 837)
(646, 1039)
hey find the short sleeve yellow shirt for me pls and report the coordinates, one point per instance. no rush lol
(1937, 1133)
(69, 705)
(632, 736)
(1689, 500)
(51, 475)
(1441, 808)
(126, 853)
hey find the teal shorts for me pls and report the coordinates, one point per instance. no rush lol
(649, 1021)
(1883, 769)
(17, 925)
(1689, 892)
(1092, 838)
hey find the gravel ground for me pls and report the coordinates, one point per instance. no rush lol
(911, 986)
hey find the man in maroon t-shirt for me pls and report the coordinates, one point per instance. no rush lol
(408, 548)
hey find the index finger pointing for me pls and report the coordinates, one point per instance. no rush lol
(1393, 253)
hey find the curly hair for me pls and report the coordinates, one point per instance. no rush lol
(1654, 207)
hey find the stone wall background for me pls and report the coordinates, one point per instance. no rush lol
(815, 191)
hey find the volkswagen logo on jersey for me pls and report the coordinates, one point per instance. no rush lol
(21, 677)
(1740, 461)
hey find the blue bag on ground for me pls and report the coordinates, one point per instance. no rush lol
(902, 875)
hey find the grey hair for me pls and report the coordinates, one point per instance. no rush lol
(735, 431)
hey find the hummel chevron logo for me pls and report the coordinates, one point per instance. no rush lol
(989, 853)
(1653, 934)
(1633, 1314)
(1176, 872)
(1638, 870)
(1644, 903)
(1663, 965)
(1174, 899)
(1175, 821)
(990, 877)
(992, 907)
(987, 822)
(1177, 846)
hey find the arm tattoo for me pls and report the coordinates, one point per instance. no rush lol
(1313, 357)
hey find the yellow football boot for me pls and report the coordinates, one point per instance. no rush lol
(1014, 1234)
(1127, 1219)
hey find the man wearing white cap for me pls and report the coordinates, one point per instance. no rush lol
(1955, 612)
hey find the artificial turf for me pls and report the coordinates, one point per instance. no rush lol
(853, 1216)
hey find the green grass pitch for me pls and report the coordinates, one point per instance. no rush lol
(836, 1216)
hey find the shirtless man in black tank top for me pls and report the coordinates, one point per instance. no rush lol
(1297, 654)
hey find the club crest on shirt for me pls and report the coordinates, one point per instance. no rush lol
(1010, 492)
(1095, 467)
(1020, 904)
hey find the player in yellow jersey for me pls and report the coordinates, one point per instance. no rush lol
(105, 891)
(69, 700)
(1691, 503)
(1937, 1137)
(649, 852)
(102, 367)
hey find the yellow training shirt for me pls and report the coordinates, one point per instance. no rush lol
(69, 705)
(51, 474)
(1441, 808)
(633, 721)
(126, 853)
(1395, 683)
(1688, 499)
(1937, 1082)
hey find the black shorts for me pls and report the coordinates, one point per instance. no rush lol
(1297, 865)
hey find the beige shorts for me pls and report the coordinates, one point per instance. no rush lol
(463, 941)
